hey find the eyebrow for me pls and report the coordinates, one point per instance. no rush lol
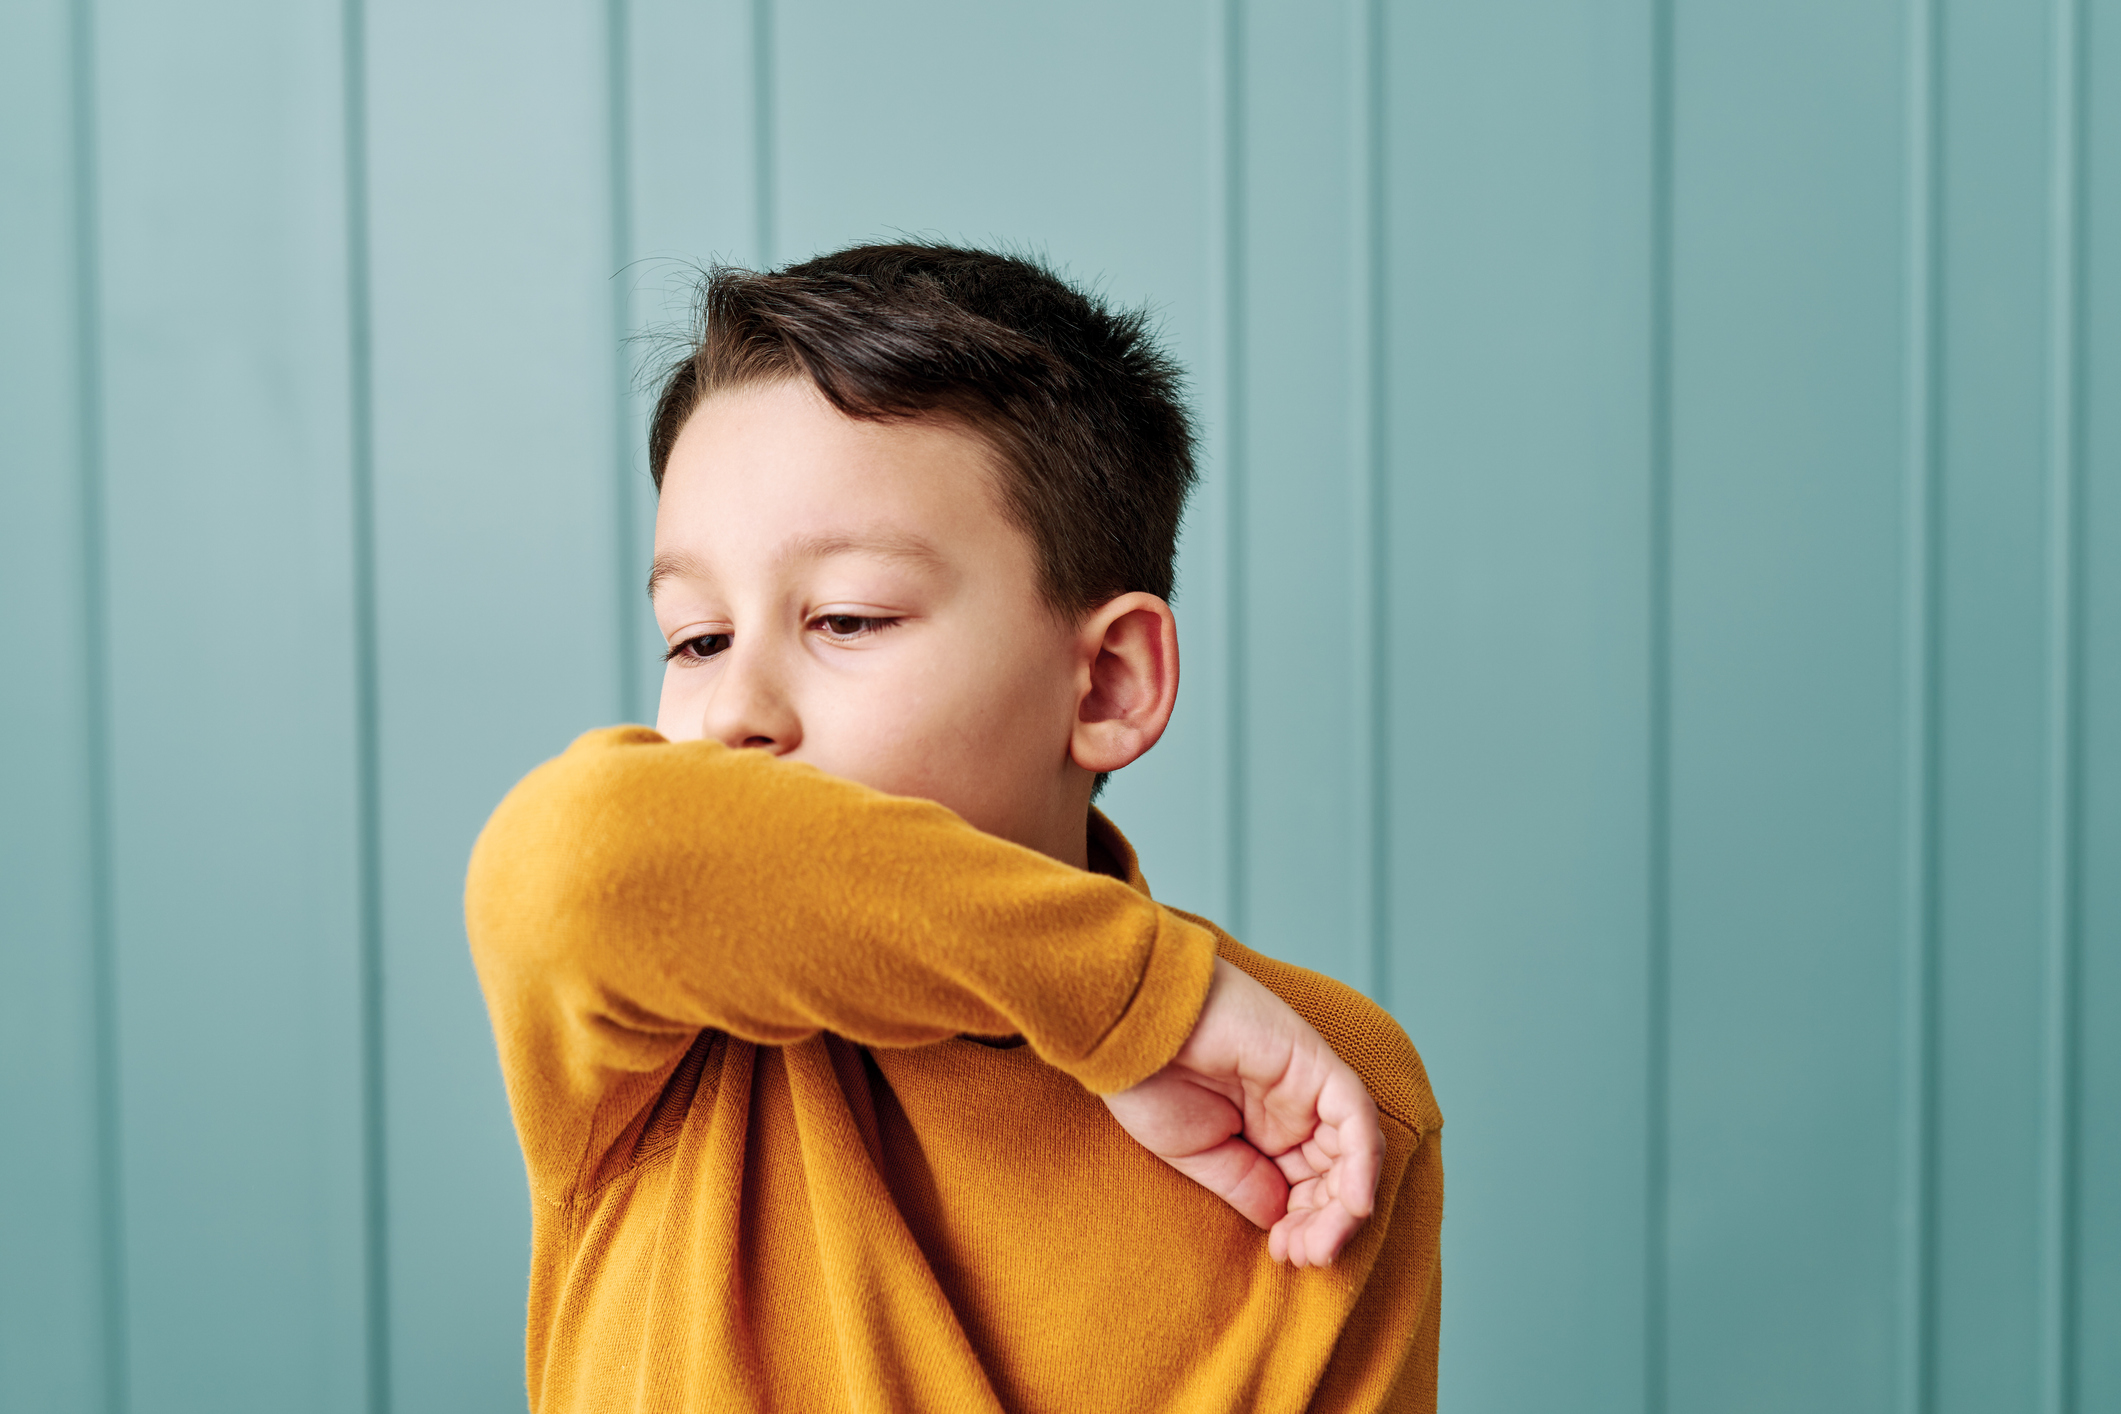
(886, 545)
(673, 564)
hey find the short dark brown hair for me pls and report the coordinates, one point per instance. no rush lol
(1083, 409)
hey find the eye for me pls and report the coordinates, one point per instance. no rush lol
(845, 627)
(697, 650)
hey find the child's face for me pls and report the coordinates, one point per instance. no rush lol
(849, 593)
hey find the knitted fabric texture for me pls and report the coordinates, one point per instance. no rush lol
(806, 1080)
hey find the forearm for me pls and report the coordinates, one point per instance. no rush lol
(660, 889)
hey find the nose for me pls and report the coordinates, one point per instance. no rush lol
(750, 704)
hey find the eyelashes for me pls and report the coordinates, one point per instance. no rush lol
(833, 628)
(697, 650)
(843, 627)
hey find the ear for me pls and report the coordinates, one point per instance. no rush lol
(1128, 651)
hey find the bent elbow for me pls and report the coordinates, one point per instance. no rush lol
(549, 854)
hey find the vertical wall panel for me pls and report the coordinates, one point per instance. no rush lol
(53, 1343)
(1876, 609)
(1518, 155)
(692, 197)
(497, 593)
(1300, 885)
(2095, 1256)
(1084, 132)
(691, 101)
(231, 664)
(1992, 402)
(1786, 825)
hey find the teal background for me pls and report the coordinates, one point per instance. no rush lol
(1653, 618)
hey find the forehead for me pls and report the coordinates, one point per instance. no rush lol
(775, 470)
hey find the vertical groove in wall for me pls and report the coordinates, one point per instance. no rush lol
(2058, 1305)
(361, 423)
(1372, 539)
(1231, 218)
(88, 322)
(1657, 1008)
(1919, 804)
(619, 130)
(763, 153)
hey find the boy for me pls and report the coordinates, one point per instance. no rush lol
(853, 1064)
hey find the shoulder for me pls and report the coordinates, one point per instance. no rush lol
(1361, 1032)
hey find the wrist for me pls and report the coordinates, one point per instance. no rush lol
(1161, 1015)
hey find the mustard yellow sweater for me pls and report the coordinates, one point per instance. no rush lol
(805, 1079)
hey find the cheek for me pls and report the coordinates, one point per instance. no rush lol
(677, 714)
(936, 730)
(1008, 724)
(872, 731)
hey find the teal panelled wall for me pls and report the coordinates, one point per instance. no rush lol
(1653, 618)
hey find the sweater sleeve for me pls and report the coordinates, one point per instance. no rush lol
(632, 893)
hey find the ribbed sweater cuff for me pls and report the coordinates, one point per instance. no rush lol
(1160, 1015)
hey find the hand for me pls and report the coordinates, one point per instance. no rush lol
(1258, 1110)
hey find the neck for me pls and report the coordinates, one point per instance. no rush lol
(1062, 831)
